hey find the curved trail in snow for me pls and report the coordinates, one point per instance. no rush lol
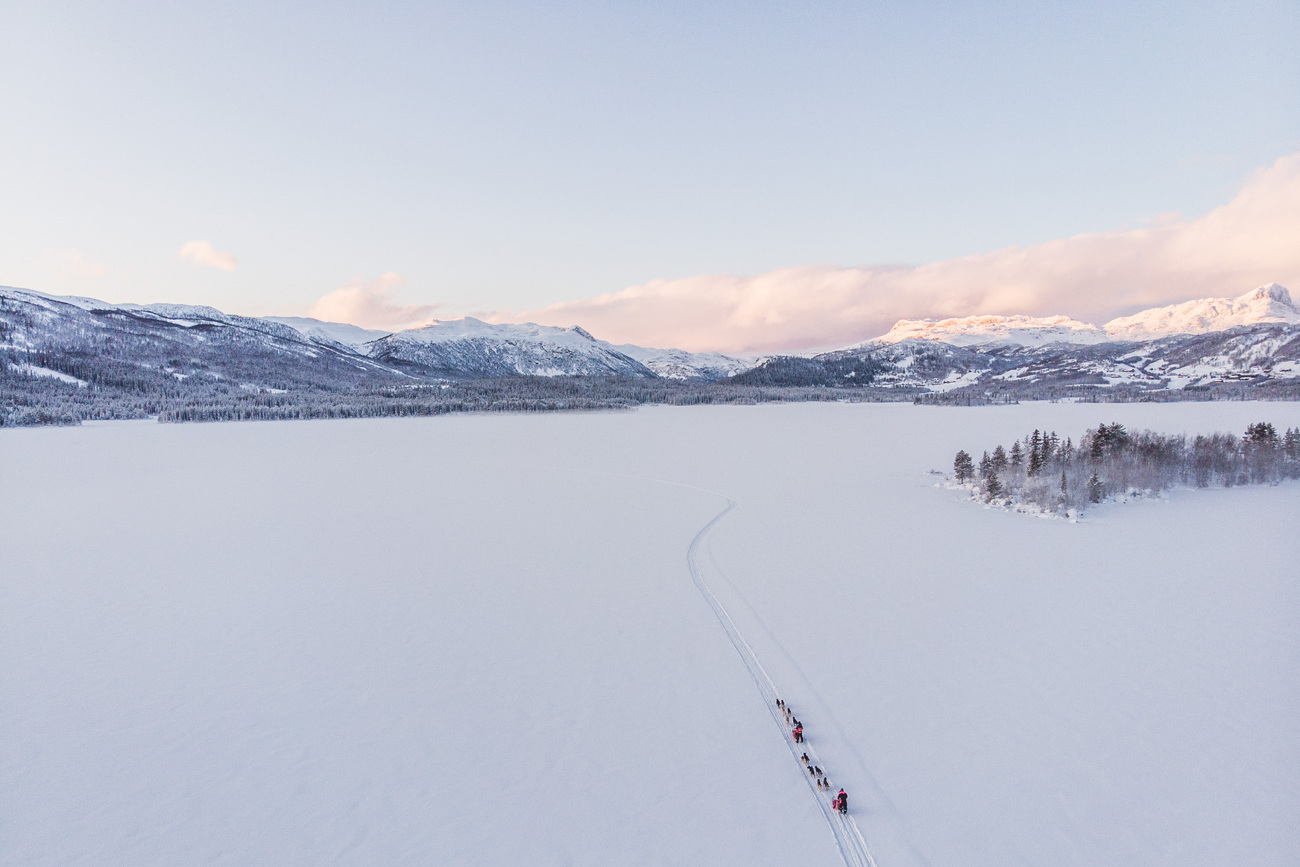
(849, 840)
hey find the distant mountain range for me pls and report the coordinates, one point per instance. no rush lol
(1251, 339)
(1267, 305)
(191, 340)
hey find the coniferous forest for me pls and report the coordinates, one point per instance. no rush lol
(129, 393)
(1059, 476)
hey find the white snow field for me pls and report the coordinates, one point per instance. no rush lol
(476, 640)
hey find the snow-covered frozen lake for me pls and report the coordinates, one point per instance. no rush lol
(475, 640)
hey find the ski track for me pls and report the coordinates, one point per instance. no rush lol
(848, 839)
(811, 689)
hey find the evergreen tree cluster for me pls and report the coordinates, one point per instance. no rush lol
(1056, 475)
(113, 391)
(799, 372)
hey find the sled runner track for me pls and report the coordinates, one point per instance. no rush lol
(849, 840)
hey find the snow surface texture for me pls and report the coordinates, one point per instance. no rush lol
(475, 639)
(848, 839)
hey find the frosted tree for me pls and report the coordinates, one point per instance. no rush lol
(1095, 488)
(992, 487)
(1035, 455)
(1291, 444)
(999, 459)
(1054, 475)
(963, 467)
(1290, 454)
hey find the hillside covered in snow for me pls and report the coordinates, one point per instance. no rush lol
(980, 330)
(1196, 349)
(67, 359)
(1267, 305)
(465, 348)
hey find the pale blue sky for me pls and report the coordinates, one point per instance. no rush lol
(515, 155)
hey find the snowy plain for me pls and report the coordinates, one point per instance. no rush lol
(475, 640)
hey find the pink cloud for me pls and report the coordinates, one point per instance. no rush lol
(371, 304)
(203, 253)
(1253, 239)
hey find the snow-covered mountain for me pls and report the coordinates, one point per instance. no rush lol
(1269, 304)
(979, 330)
(157, 347)
(190, 340)
(35, 321)
(470, 346)
(542, 350)
(1249, 354)
(680, 364)
(1252, 340)
(338, 333)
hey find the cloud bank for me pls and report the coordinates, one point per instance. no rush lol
(371, 305)
(203, 253)
(1252, 240)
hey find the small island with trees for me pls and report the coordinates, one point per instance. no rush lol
(1043, 473)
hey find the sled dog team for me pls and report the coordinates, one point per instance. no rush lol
(840, 801)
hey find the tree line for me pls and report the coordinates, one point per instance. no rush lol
(119, 391)
(1057, 475)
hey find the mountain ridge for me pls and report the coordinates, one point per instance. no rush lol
(976, 330)
(1267, 304)
(152, 356)
(457, 348)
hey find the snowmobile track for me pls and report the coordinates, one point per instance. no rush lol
(849, 840)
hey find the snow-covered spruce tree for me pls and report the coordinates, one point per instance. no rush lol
(963, 468)
(1262, 450)
(1035, 455)
(1095, 488)
(988, 483)
(1291, 444)
(999, 459)
(992, 487)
